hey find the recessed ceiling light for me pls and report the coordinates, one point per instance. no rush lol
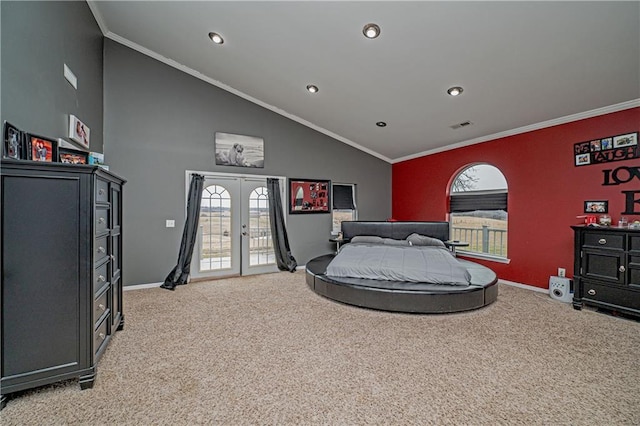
(371, 31)
(312, 88)
(455, 91)
(381, 124)
(216, 38)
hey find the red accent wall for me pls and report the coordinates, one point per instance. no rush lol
(546, 190)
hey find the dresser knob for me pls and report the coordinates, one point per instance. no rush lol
(101, 278)
(101, 250)
(102, 335)
(602, 241)
(101, 191)
(621, 269)
(102, 220)
(101, 306)
(592, 292)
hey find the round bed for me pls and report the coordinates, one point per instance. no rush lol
(402, 296)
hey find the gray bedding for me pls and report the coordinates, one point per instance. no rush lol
(425, 264)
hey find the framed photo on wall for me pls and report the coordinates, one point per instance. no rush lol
(72, 156)
(238, 150)
(309, 196)
(40, 148)
(13, 142)
(79, 132)
(599, 206)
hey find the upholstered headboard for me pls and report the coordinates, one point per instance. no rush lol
(395, 230)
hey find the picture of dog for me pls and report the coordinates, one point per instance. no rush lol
(238, 150)
(235, 155)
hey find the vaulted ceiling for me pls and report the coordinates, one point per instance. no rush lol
(522, 65)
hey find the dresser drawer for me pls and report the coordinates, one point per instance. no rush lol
(100, 248)
(100, 335)
(604, 240)
(100, 277)
(618, 296)
(102, 220)
(102, 191)
(101, 306)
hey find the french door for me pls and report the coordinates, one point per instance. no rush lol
(234, 233)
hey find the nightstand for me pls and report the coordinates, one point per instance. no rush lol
(453, 244)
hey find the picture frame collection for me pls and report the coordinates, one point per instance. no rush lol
(605, 150)
(21, 145)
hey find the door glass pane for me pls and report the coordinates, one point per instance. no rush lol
(260, 243)
(215, 229)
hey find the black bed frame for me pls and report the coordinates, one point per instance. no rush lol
(399, 296)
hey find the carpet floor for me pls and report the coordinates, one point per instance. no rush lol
(267, 350)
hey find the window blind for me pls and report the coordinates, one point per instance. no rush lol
(469, 203)
(343, 197)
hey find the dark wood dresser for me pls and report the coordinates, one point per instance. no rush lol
(607, 269)
(61, 295)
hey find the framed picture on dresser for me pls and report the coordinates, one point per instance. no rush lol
(72, 156)
(13, 142)
(40, 148)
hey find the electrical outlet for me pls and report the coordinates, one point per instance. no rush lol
(562, 272)
(171, 223)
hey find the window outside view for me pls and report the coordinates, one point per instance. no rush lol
(344, 206)
(483, 227)
(339, 216)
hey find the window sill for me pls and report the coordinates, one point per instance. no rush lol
(483, 256)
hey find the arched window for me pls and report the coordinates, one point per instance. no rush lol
(478, 211)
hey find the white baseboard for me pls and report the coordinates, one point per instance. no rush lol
(525, 286)
(154, 285)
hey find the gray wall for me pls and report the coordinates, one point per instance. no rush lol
(37, 39)
(160, 122)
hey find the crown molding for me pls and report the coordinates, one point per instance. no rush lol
(537, 126)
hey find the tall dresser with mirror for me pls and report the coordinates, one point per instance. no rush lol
(61, 298)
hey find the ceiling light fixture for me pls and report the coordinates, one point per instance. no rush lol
(216, 38)
(371, 31)
(312, 88)
(381, 124)
(455, 91)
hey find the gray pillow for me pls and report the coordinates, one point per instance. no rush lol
(369, 239)
(422, 240)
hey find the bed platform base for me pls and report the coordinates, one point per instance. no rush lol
(394, 296)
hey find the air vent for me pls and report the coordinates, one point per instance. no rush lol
(463, 124)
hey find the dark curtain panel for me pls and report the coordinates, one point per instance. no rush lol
(284, 259)
(180, 273)
(343, 197)
(469, 203)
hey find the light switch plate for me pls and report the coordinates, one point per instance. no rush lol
(71, 77)
(171, 223)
